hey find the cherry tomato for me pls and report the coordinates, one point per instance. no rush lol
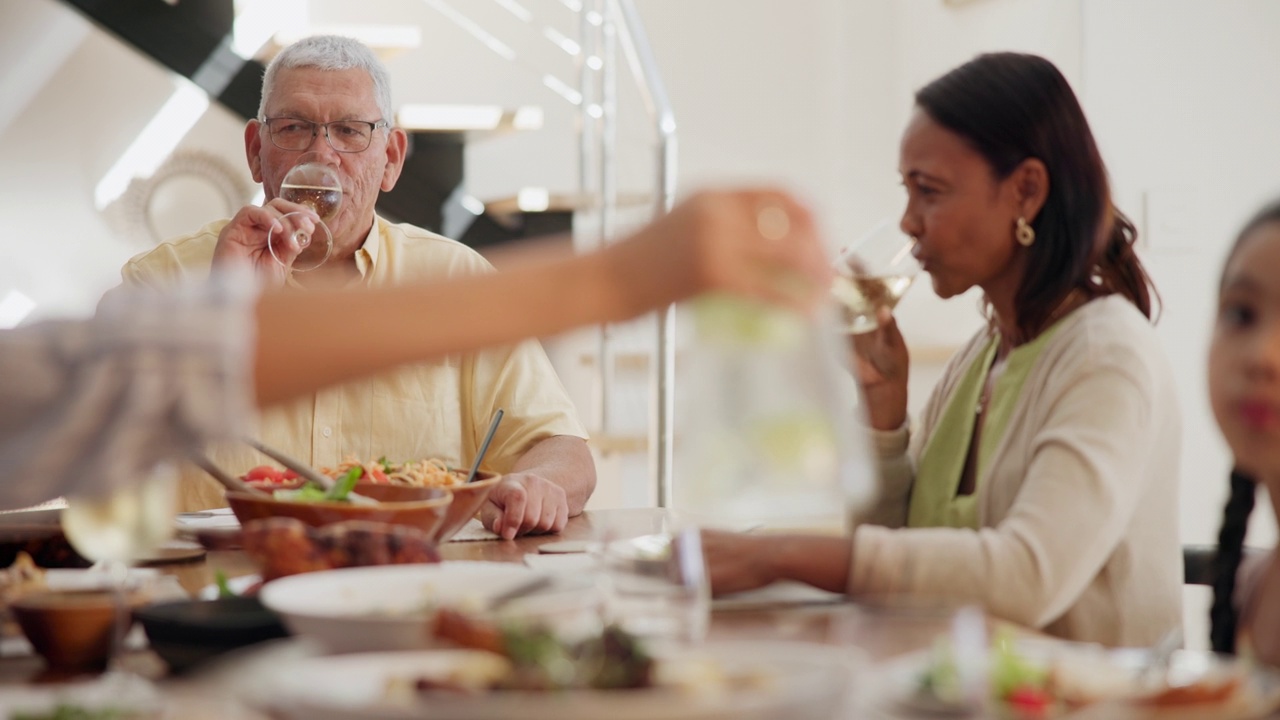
(264, 473)
(1029, 700)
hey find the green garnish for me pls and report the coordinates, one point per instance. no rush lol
(310, 492)
(386, 464)
(224, 588)
(343, 487)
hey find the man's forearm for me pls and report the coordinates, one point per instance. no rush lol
(566, 461)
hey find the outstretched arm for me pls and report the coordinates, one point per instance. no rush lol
(709, 243)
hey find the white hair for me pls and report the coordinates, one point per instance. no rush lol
(331, 52)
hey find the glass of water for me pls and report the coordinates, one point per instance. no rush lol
(655, 582)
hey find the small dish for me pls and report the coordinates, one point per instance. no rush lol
(70, 629)
(188, 633)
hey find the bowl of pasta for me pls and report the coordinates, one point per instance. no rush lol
(318, 508)
(467, 497)
(406, 482)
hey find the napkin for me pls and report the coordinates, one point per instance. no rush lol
(574, 563)
(779, 593)
(215, 519)
(474, 530)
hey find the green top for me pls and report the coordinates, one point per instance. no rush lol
(934, 502)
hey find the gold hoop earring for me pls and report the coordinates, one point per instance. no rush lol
(1024, 233)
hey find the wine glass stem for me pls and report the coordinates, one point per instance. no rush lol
(302, 239)
(118, 574)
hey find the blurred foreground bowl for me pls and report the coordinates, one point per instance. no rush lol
(70, 629)
(187, 633)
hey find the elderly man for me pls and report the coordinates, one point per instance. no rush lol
(329, 97)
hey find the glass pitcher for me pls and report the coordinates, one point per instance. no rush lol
(768, 433)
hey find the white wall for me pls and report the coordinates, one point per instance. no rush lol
(59, 142)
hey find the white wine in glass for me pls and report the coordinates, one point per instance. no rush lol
(861, 296)
(124, 526)
(325, 200)
(120, 528)
(872, 273)
(316, 185)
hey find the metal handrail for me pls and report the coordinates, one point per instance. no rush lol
(644, 69)
(603, 14)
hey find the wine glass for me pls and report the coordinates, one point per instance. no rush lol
(119, 528)
(315, 184)
(874, 272)
(654, 580)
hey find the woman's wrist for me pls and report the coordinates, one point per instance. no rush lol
(886, 408)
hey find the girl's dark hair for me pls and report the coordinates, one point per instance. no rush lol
(1269, 213)
(1011, 107)
(1223, 615)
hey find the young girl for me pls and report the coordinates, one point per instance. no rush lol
(1244, 389)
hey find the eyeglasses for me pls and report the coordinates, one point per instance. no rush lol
(342, 135)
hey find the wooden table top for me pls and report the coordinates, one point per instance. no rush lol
(878, 633)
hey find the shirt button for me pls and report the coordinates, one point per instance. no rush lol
(327, 432)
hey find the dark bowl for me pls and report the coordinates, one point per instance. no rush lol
(188, 633)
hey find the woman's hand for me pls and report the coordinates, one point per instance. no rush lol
(737, 562)
(881, 364)
(755, 243)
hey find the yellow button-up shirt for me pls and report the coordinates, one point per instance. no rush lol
(440, 409)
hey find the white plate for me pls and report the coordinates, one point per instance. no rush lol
(96, 578)
(898, 680)
(386, 607)
(798, 682)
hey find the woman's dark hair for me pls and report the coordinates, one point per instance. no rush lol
(1223, 615)
(1011, 107)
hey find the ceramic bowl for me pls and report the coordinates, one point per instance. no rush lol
(70, 629)
(188, 633)
(467, 499)
(425, 514)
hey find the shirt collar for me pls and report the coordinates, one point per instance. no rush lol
(367, 255)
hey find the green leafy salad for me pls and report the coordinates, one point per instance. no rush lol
(1015, 681)
(311, 492)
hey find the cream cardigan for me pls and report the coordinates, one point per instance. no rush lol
(1078, 509)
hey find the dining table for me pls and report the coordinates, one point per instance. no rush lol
(871, 632)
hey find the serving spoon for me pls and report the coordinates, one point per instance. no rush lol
(484, 446)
